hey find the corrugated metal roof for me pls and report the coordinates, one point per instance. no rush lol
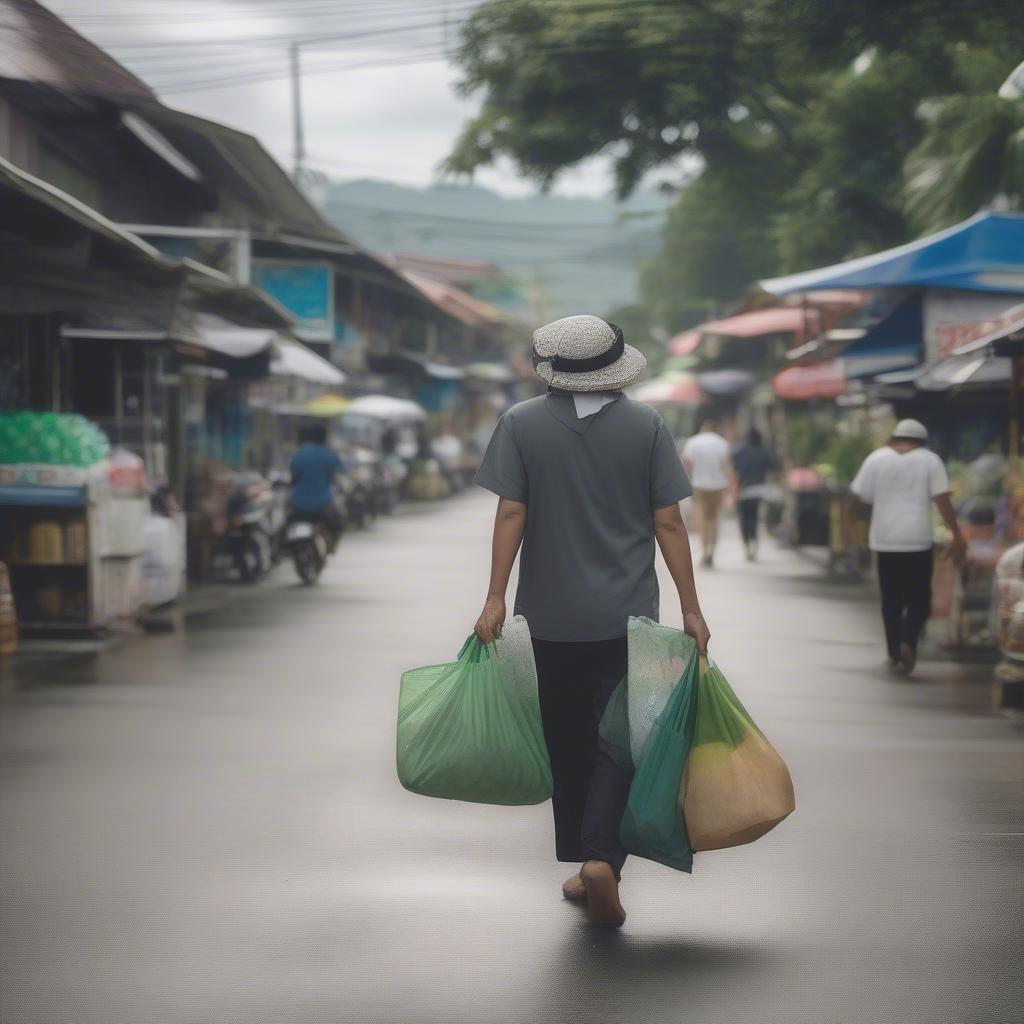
(15, 178)
(36, 46)
(227, 151)
(455, 302)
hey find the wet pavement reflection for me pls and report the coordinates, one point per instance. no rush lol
(205, 825)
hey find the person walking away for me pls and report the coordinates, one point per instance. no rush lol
(707, 461)
(901, 481)
(313, 470)
(752, 463)
(587, 480)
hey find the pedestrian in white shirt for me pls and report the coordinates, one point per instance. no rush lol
(708, 463)
(901, 481)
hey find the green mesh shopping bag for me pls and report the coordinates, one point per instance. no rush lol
(735, 787)
(653, 825)
(471, 729)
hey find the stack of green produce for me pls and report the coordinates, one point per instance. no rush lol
(50, 438)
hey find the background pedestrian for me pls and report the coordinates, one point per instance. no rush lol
(753, 463)
(708, 463)
(901, 481)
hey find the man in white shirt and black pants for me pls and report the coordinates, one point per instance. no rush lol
(708, 461)
(901, 481)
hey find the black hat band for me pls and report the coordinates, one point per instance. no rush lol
(563, 364)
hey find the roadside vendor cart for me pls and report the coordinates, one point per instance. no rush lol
(1008, 599)
(72, 528)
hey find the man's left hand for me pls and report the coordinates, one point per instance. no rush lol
(695, 626)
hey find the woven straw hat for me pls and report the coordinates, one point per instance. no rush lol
(584, 353)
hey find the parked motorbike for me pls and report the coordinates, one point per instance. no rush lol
(388, 473)
(375, 483)
(250, 529)
(358, 485)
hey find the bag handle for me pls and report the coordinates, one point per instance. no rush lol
(474, 651)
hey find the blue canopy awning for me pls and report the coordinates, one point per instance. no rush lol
(891, 343)
(984, 253)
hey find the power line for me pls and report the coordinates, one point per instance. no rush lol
(374, 25)
(219, 83)
(255, 13)
(488, 222)
(382, 29)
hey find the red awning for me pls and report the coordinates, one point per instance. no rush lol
(820, 380)
(455, 302)
(795, 320)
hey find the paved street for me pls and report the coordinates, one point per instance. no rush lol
(206, 826)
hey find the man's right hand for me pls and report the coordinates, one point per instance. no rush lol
(695, 626)
(488, 626)
(958, 549)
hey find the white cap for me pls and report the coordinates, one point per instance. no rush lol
(911, 430)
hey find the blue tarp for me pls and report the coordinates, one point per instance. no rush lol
(984, 253)
(893, 342)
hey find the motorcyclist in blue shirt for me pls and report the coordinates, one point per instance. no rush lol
(313, 470)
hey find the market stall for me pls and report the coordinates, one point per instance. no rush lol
(1009, 623)
(72, 518)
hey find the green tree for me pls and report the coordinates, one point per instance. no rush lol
(972, 152)
(846, 199)
(637, 328)
(799, 116)
(647, 81)
(716, 240)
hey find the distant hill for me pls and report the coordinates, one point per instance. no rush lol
(565, 255)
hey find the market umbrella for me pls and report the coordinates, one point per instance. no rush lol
(669, 389)
(327, 406)
(494, 373)
(384, 407)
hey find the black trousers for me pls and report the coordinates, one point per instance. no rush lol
(575, 681)
(905, 579)
(748, 511)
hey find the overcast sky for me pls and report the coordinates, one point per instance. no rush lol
(384, 107)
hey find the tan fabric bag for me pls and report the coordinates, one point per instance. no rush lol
(735, 787)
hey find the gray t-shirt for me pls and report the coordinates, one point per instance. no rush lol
(591, 487)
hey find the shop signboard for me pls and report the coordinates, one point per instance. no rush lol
(953, 318)
(305, 289)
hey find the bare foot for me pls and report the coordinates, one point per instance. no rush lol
(603, 906)
(574, 889)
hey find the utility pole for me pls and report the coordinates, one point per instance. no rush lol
(298, 142)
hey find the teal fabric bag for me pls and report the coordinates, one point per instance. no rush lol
(471, 729)
(653, 826)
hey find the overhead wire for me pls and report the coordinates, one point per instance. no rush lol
(253, 11)
(483, 221)
(432, 55)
